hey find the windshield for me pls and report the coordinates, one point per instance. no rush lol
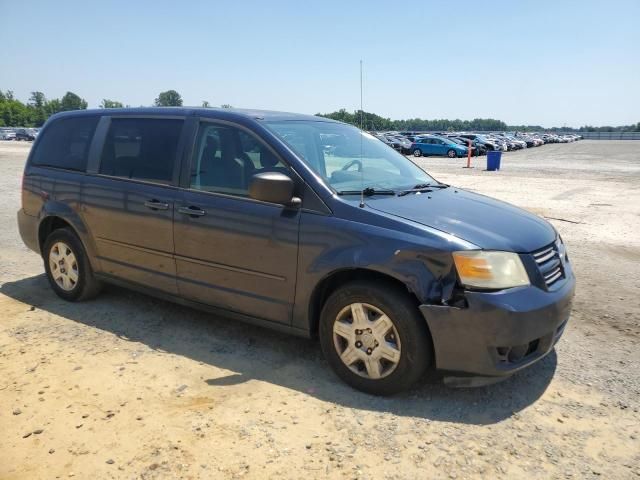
(348, 158)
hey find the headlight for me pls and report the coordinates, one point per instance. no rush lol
(486, 269)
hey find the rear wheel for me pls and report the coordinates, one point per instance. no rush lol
(374, 338)
(67, 266)
(452, 153)
(417, 152)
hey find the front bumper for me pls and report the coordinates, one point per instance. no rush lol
(498, 333)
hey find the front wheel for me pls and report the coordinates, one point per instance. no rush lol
(417, 152)
(374, 338)
(452, 153)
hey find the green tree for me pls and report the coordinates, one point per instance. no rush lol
(14, 113)
(206, 104)
(106, 103)
(37, 102)
(53, 106)
(37, 99)
(170, 98)
(71, 101)
(226, 105)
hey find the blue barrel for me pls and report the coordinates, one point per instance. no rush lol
(493, 160)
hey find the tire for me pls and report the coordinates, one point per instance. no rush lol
(403, 337)
(452, 153)
(65, 244)
(417, 152)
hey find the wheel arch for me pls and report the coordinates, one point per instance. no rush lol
(338, 278)
(54, 220)
(48, 225)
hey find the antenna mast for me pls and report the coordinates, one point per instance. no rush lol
(361, 140)
(361, 111)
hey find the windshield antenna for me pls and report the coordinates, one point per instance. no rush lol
(361, 140)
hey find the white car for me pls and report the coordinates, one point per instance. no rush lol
(7, 135)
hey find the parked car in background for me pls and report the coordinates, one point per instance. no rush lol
(432, 145)
(7, 135)
(478, 148)
(390, 141)
(25, 134)
(529, 141)
(519, 144)
(510, 142)
(405, 144)
(489, 143)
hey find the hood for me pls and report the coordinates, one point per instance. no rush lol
(490, 224)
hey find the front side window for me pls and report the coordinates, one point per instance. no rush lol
(65, 143)
(225, 158)
(141, 149)
(348, 158)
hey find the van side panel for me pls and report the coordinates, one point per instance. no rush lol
(133, 241)
(31, 194)
(330, 244)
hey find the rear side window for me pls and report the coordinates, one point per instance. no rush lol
(65, 143)
(141, 149)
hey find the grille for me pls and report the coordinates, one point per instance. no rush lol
(548, 260)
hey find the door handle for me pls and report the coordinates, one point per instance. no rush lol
(192, 211)
(156, 205)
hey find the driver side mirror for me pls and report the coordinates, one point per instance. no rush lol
(273, 187)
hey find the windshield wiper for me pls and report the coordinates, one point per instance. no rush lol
(422, 188)
(367, 192)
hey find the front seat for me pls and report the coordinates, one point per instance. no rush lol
(220, 170)
(269, 162)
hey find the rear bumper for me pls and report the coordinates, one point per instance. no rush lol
(498, 333)
(28, 227)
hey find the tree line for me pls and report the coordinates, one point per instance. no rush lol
(373, 122)
(35, 112)
(14, 113)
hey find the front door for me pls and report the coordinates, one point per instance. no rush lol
(232, 251)
(439, 147)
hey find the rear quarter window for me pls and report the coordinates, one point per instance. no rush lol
(65, 144)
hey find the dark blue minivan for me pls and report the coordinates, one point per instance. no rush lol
(302, 224)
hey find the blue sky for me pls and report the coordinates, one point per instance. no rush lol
(545, 62)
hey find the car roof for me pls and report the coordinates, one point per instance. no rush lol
(226, 113)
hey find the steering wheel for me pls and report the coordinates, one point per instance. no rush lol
(351, 164)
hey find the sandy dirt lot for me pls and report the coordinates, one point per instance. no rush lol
(127, 386)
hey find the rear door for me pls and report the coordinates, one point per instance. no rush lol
(129, 199)
(232, 251)
(429, 146)
(422, 145)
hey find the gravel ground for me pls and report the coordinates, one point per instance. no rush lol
(127, 386)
